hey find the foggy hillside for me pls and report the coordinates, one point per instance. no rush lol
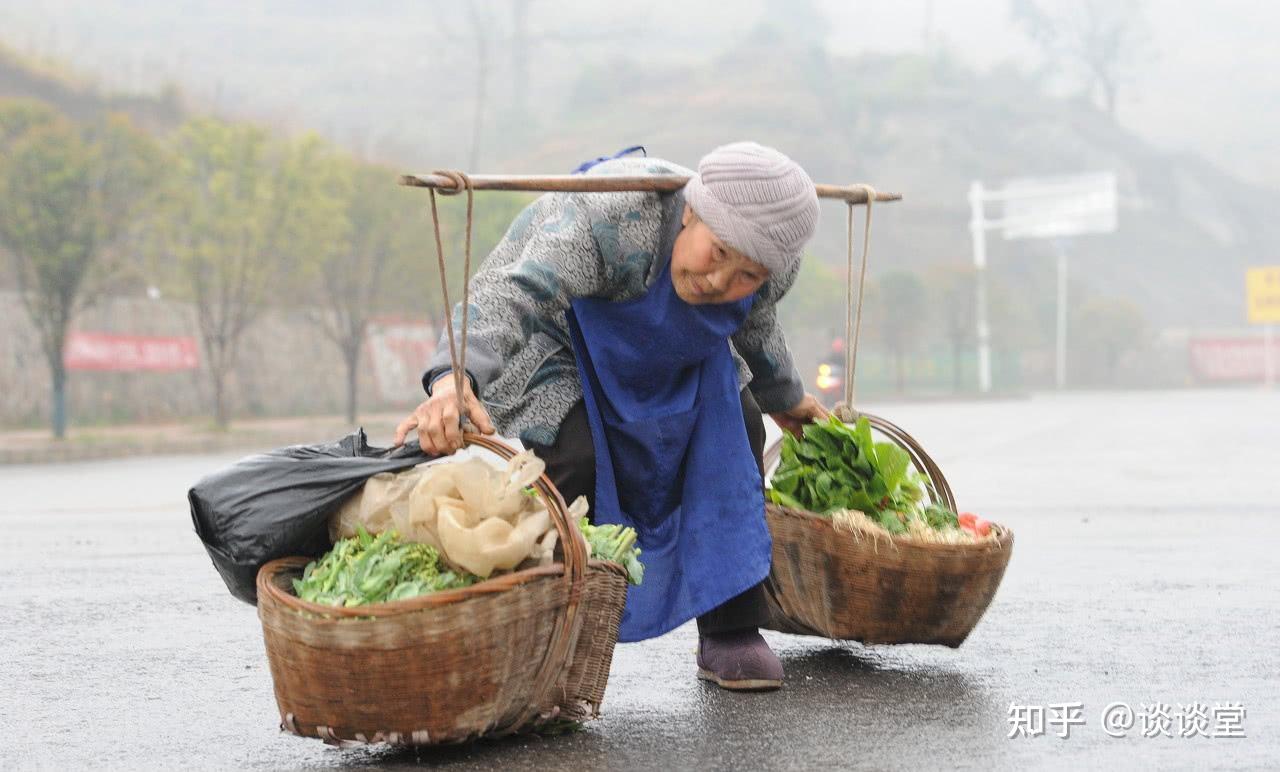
(561, 83)
(926, 128)
(381, 74)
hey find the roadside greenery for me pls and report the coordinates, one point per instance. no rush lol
(69, 195)
(227, 216)
(240, 222)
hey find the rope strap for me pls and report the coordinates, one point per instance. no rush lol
(458, 360)
(844, 410)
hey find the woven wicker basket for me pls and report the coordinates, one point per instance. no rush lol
(501, 656)
(894, 589)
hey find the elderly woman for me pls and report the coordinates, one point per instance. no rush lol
(631, 340)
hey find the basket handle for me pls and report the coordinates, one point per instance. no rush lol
(940, 489)
(564, 637)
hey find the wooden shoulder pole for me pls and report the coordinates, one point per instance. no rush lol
(579, 183)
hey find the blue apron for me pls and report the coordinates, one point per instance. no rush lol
(672, 456)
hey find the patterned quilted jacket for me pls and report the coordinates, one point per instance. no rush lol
(603, 245)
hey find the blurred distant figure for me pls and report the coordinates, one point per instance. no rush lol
(829, 380)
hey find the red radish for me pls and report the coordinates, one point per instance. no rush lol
(974, 524)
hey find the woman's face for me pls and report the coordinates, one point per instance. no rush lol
(705, 270)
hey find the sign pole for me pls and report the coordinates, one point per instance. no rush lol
(1041, 208)
(977, 227)
(1060, 358)
(1268, 359)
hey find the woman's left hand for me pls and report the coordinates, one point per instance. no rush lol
(806, 411)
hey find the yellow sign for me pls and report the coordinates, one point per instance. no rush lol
(1263, 287)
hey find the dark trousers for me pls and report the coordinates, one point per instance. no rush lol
(571, 465)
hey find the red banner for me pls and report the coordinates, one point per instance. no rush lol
(108, 351)
(1231, 359)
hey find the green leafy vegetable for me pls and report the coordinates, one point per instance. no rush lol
(617, 544)
(368, 569)
(939, 517)
(836, 466)
(891, 521)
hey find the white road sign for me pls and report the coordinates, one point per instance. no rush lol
(1053, 207)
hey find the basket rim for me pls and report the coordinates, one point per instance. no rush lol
(1003, 541)
(491, 586)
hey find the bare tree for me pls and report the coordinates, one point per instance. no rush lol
(475, 46)
(481, 31)
(1103, 39)
(496, 40)
(928, 32)
(374, 257)
(519, 48)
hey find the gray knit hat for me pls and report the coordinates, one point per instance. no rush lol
(757, 201)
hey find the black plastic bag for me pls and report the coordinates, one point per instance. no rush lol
(277, 504)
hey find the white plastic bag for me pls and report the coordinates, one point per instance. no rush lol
(481, 518)
(482, 545)
(380, 504)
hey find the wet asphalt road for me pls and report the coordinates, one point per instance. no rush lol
(1145, 570)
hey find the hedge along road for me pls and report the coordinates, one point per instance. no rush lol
(1143, 574)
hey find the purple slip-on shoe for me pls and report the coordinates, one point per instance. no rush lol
(739, 660)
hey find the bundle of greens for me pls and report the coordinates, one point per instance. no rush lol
(840, 468)
(366, 569)
(614, 543)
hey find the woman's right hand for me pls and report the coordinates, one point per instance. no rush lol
(436, 419)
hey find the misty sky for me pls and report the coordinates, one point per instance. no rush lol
(1209, 85)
